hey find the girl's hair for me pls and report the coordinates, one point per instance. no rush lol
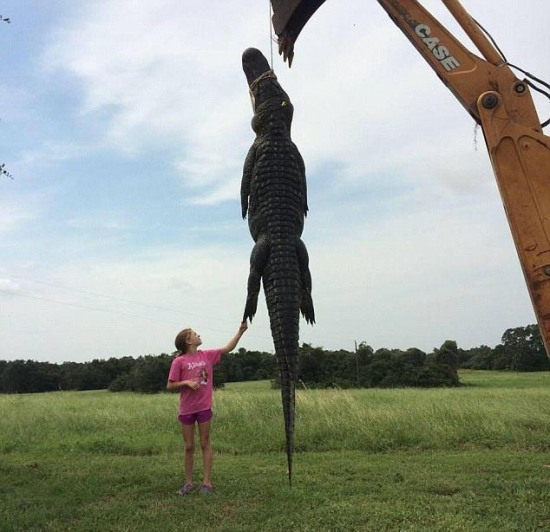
(181, 340)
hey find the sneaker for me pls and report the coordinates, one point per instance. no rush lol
(186, 489)
(206, 490)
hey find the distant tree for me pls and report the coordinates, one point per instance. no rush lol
(434, 375)
(447, 354)
(525, 348)
(29, 376)
(481, 357)
(500, 358)
(120, 383)
(381, 368)
(14, 377)
(311, 364)
(339, 369)
(71, 375)
(415, 357)
(446, 357)
(86, 375)
(149, 374)
(49, 377)
(245, 365)
(364, 368)
(364, 353)
(363, 359)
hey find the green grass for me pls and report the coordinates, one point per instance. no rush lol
(471, 458)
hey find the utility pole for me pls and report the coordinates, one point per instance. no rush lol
(357, 364)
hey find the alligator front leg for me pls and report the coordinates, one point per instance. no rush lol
(247, 178)
(303, 183)
(258, 262)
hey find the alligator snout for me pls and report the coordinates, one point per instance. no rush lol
(254, 64)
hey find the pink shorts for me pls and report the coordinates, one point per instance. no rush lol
(199, 417)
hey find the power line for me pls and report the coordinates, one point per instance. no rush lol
(111, 311)
(113, 298)
(86, 307)
(122, 300)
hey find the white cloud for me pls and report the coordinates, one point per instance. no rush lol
(166, 76)
(13, 217)
(49, 153)
(99, 220)
(9, 286)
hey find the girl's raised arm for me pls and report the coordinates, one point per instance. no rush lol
(235, 340)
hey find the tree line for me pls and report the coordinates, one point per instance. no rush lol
(521, 349)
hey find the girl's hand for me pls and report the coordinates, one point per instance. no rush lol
(192, 384)
(235, 340)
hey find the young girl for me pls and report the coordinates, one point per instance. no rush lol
(191, 374)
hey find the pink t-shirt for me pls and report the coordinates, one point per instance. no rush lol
(197, 367)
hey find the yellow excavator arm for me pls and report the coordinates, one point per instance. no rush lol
(498, 101)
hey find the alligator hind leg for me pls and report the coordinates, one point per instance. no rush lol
(306, 303)
(258, 262)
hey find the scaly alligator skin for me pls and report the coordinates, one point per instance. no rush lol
(273, 193)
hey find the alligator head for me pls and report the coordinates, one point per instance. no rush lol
(267, 95)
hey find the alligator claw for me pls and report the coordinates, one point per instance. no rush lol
(286, 48)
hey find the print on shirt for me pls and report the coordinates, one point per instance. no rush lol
(200, 374)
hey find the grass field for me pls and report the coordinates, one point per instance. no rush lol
(470, 458)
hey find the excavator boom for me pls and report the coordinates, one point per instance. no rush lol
(498, 101)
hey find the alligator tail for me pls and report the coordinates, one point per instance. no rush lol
(283, 292)
(288, 396)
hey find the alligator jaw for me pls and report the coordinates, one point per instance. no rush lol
(257, 69)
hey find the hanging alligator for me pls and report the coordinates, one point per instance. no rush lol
(274, 195)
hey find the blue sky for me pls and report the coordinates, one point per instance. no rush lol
(125, 126)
